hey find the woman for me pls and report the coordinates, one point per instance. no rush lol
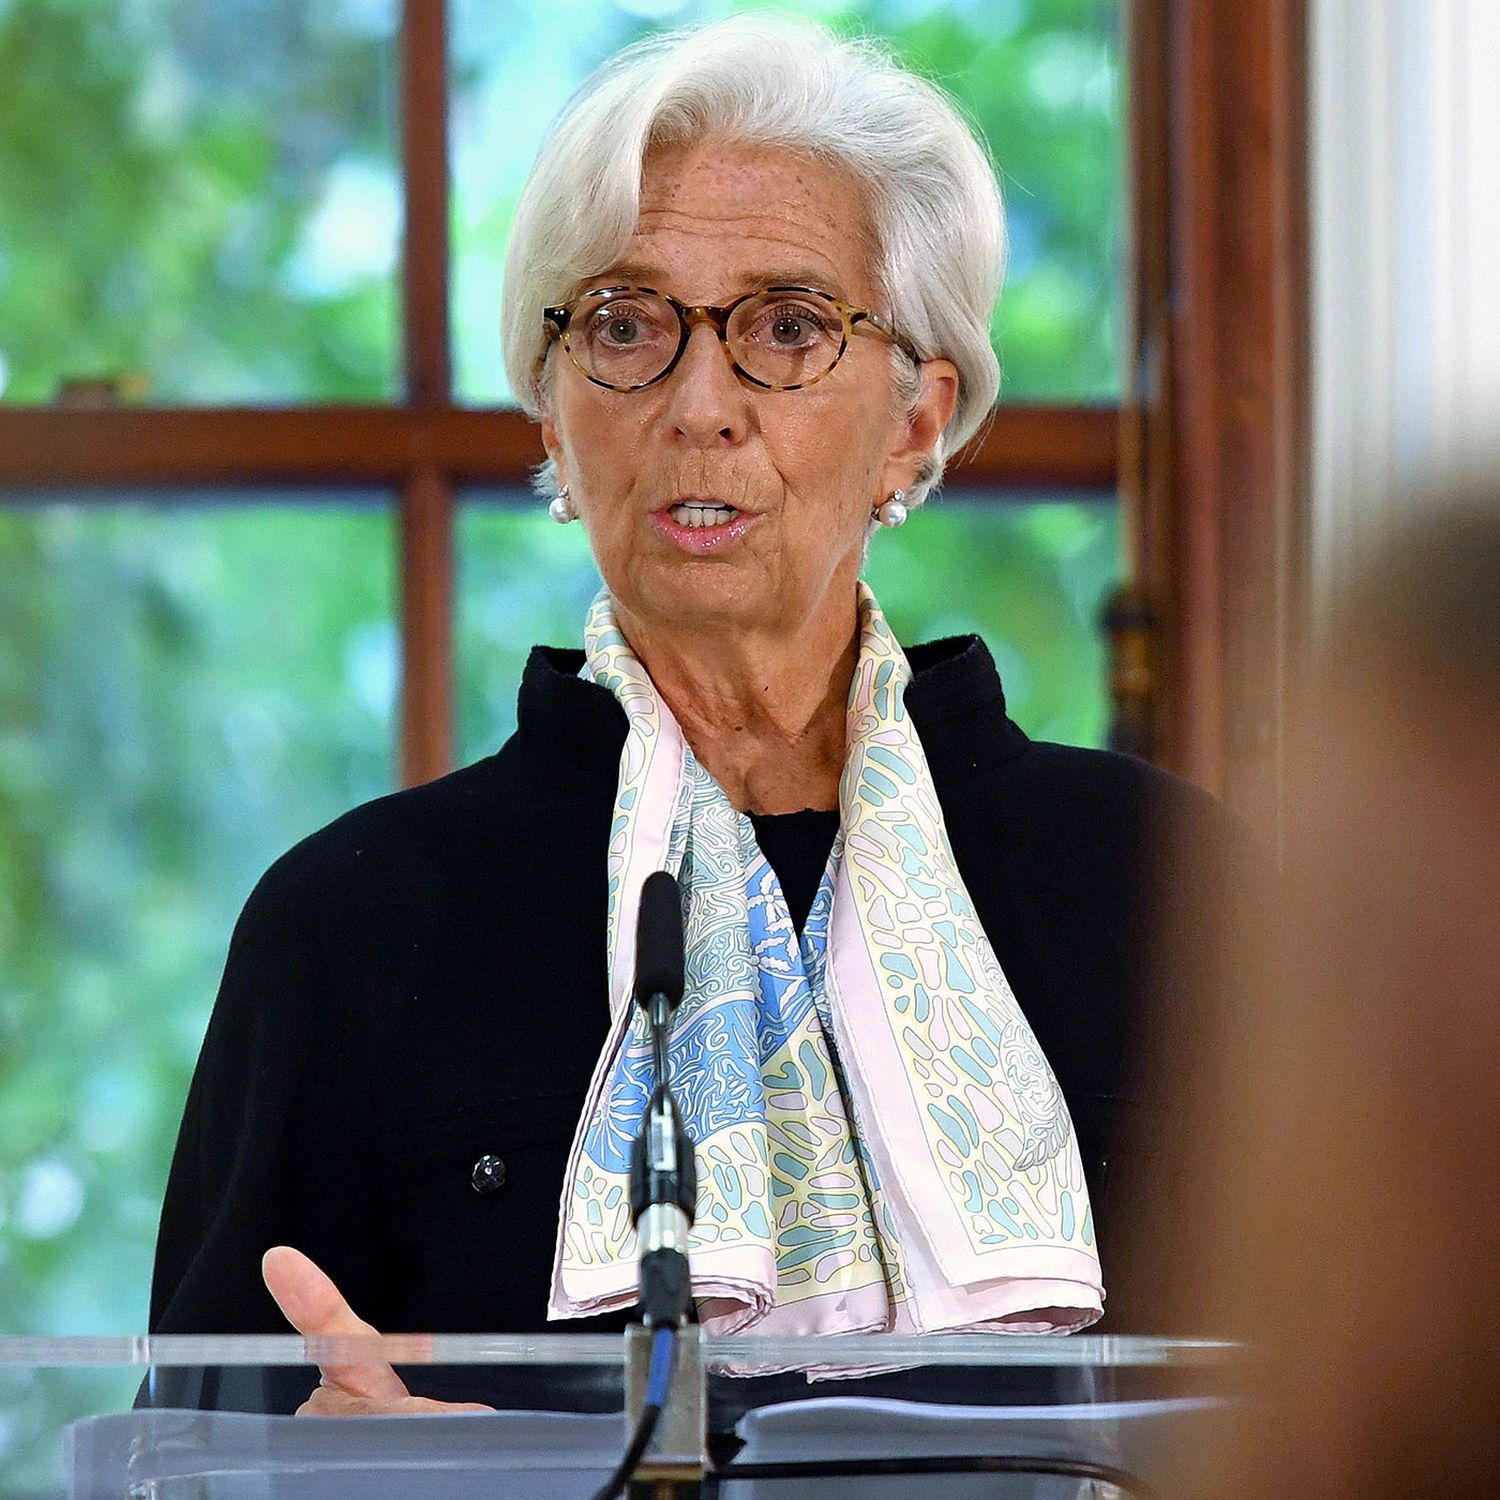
(748, 298)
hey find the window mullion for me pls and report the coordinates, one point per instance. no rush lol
(426, 530)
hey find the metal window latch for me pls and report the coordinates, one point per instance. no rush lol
(1130, 623)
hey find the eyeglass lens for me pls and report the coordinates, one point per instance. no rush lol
(779, 338)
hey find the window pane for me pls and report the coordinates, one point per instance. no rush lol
(1030, 576)
(523, 580)
(1042, 77)
(202, 199)
(184, 693)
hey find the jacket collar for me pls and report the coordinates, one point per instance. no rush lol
(575, 729)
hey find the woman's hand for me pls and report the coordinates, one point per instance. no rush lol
(314, 1305)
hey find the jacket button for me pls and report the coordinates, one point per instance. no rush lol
(488, 1174)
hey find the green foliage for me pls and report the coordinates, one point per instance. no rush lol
(522, 580)
(182, 694)
(1030, 577)
(176, 189)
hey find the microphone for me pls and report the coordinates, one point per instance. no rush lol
(658, 942)
(663, 1173)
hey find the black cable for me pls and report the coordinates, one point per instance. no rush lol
(878, 1468)
(645, 1430)
(658, 1386)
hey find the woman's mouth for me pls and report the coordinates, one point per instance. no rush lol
(701, 526)
(702, 513)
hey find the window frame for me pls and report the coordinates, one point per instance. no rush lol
(1205, 448)
(1214, 429)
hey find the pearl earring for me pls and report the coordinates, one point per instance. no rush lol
(562, 509)
(892, 512)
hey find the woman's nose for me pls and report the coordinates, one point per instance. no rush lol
(706, 402)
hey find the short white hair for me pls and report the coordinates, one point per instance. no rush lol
(926, 179)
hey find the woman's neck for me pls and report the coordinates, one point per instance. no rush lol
(764, 713)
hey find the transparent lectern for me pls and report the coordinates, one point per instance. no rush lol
(177, 1418)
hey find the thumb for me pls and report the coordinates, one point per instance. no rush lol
(312, 1304)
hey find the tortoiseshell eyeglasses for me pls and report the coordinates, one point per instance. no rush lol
(781, 338)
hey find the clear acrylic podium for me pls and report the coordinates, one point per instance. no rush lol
(962, 1417)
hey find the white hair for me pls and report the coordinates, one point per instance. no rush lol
(926, 180)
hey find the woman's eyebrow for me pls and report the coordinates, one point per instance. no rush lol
(797, 276)
(626, 275)
(631, 274)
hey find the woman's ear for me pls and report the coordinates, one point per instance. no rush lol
(552, 443)
(922, 426)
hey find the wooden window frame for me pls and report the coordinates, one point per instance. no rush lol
(1214, 428)
(1205, 449)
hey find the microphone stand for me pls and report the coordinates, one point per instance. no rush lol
(666, 1398)
(663, 1187)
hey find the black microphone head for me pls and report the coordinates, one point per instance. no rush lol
(658, 940)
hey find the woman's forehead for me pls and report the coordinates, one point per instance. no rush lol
(728, 216)
(754, 276)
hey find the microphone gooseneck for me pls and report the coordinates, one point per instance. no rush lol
(663, 1173)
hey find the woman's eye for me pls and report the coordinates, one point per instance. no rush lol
(627, 325)
(619, 328)
(792, 326)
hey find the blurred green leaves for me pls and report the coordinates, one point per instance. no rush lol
(183, 694)
(174, 200)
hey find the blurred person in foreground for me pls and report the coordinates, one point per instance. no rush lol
(748, 297)
(1351, 1099)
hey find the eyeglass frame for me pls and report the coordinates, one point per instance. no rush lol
(556, 321)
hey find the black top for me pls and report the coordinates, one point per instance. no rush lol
(797, 845)
(422, 983)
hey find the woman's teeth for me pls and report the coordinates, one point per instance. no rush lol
(691, 513)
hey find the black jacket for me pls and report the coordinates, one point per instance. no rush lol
(422, 983)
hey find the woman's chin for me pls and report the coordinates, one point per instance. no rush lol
(704, 593)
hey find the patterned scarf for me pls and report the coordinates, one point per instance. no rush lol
(881, 1144)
